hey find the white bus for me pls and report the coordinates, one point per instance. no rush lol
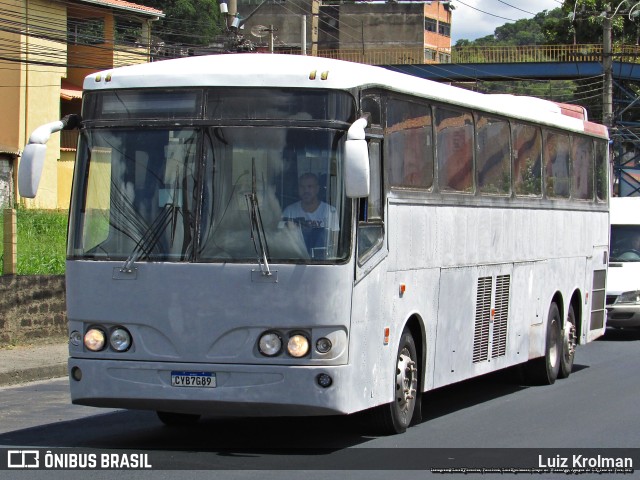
(284, 235)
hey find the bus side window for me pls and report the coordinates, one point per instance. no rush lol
(493, 156)
(602, 170)
(454, 149)
(582, 168)
(409, 144)
(370, 215)
(527, 160)
(371, 108)
(556, 165)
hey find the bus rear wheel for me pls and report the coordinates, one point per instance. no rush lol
(569, 342)
(172, 419)
(397, 416)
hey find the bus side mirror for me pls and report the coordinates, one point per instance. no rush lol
(30, 171)
(356, 161)
(35, 152)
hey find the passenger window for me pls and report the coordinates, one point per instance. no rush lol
(454, 133)
(556, 165)
(409, 140)
(602, 171)
(527, 160)
(493, 156)
(582, 168)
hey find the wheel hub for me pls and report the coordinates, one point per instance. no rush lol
(406, 380)
(570, 338)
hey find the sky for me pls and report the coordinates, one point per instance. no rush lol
(470, 23)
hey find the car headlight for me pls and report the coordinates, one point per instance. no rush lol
(270, 344)
(120, 339)
(298, 346)
(629, 297)
(94, 339)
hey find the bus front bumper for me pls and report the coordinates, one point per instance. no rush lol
(235, 390)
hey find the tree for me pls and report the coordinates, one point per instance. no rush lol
(187, 22)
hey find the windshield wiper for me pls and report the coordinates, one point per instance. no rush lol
(258, 236)
(149, 239)
(151, 236)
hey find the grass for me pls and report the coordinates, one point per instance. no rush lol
(42, 236)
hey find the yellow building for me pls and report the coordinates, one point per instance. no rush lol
(47, 47)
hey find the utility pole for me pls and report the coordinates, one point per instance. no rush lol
(607, 64)
(315, 12)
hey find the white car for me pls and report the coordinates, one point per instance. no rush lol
(623, 279)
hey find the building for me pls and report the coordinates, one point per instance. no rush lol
(47, 48)
(370, 32)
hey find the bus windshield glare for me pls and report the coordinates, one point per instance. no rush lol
(203, 193)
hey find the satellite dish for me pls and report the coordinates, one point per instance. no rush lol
(259, 31)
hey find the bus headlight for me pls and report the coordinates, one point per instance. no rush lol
(120, 339)
(94, 339)
(298, 346)
(629, 297)
(270, 344)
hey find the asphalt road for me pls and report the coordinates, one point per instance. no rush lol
(595, 408)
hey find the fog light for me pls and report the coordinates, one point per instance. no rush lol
(120, 340)
(298, 346)
(75, 338)
(94, 339)
(76, 374)
(324, 380)
(323, 345)
(270, 344)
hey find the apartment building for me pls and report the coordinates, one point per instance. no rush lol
(47, 47)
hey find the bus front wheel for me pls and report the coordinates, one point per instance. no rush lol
(396, 416)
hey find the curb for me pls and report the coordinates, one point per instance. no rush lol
(17, 377)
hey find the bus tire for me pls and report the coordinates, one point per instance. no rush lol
(172, 419)
(544, 370)
(396, 416)
(569, 342)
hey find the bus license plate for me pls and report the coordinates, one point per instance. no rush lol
(193, 379)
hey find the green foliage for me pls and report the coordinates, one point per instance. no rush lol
(545, 28)
(574, 22)
(42, 236)
(188, 22)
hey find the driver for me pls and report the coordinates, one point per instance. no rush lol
(310, 213)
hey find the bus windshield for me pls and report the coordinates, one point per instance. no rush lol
(625, 243)
(203, 195)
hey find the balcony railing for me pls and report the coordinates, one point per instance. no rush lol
(486, 54)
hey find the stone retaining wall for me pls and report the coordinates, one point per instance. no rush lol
(32, 308)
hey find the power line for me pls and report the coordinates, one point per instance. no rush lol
(517, 8)
(487, 13)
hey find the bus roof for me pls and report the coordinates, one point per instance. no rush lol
(296, 71)
(624, 210)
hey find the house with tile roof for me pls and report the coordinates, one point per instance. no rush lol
(47, 47)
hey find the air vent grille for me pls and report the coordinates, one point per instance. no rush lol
(499, 342)
(482, 320)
